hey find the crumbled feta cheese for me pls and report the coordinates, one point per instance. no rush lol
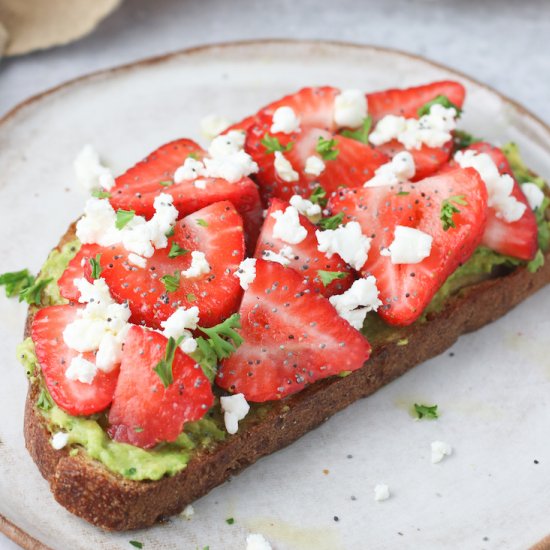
(213, 125)
(433, 129)
(191, 169)
(499, 187)
(81, 369)
(96, 292)
(284, 169)
(231, 168)
(138, 261)
(287, 226)
(163, 220)
(109, 352)
(200, 184)
(306, 208)
(285, 121)
(314, 166)
(279, 258)
(188, 511)
(136, 237)
(440, 450)
(97, 225)
(255, 541)
(199, 266)
(409, 246)
(179, 323)
(235, 408)
(354, 304)
(84, 334)
(59, 440)
(227, 145)
(381, 492)
(399, 170)
(350, 108)
(90, 173)
(348, 241)
(246, 272)
(533, 194)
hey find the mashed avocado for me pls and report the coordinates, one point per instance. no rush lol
(169, 458)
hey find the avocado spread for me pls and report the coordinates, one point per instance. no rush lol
(88, 433)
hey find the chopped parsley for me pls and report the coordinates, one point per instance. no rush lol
(403, 193)
(123, 217)
(166, 183)
(463, 139)
(202, 223)
(136, 543)
(331, 223)
(191, 297)
(100, 194)
(230, 521)
(449, 209)
(439, 100)
(272, 144)
(14, 282)
(426, 411)
(33, 294)
(319, 196)
(176, 250)
(44, 400)
(171, 231)
(327, 148)
(362, 133)
(328, 276)
(96, 266)
(171, 282)
(164, 366)
(193, 156)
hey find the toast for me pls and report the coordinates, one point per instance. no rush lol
(89, 490)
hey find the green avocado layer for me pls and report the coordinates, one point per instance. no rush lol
(131, 462)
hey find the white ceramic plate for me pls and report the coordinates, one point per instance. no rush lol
(494, 393)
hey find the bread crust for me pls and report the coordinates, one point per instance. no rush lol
(89, 490)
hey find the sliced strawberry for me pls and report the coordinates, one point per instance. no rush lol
(145, 412)
(406, 289)
(77, 269)
(518, 239)
(355, 162)
(306, 258)
(54, 357)
(217, 231)
(406, 102)
(137, 188)
(291, 338)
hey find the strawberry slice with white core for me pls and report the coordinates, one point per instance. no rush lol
(419, 234)
(149, 408)
(292, 337)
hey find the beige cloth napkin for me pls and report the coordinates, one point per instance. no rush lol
(28, 25)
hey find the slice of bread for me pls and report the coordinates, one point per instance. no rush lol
(89, 490)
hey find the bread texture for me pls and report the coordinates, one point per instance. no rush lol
(89, 490)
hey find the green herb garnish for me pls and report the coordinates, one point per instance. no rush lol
(272, 144)
(426, 411)
(164, 366)
(96, 266)
(403, 193)
(100, 194)
(327, 148)
(176, 250)
(202, 223)
(33, 294)
(136, 543)
(449, 209)
(328, 276)
(14, 282)
(166, 183)
(44, 400)
(439, 100)
(331, 223)
(171, 282)
(319, 196)
(463, 139)
(171, 231)
(123, 217)
(191, 297)
(230, 521)
(362, 133)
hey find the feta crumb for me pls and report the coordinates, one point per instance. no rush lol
(84, 334)
(499, 187)
(433, 129)
(354, 304)
(314, 166)
(440, 450)
(199, 266)
(138, 261)
(188, 511)
(163, 220)
(282, 257)
(246, 272)
(213, 125)
(235, 408)
(284, 169)
(200, 184)
(350, 108)
(409, 246)
(231, 168)
(227, 145)
(81, 369)
(191, 169)
(348, 241)
(381, 492)
(287, 226)
(59, 440)
(399, 170)
(97, 225)
(109, 352)
(306, 208)
(285, 121)
(90, 173)
(255, 541)
(533, 194)
(179, 324)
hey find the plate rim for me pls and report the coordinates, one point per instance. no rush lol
(8, 527)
